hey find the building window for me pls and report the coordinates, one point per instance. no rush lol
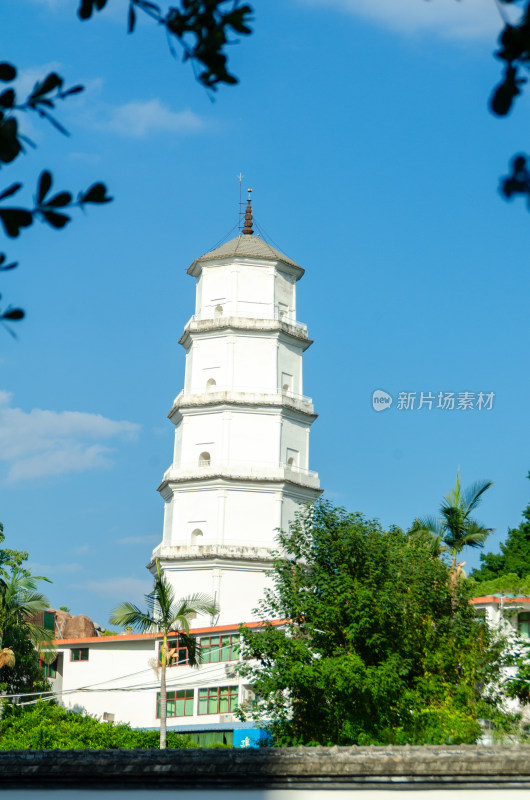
(523, 624)
(204, 459)
(49, 670)
(179, 703)
(218, 700)
(49, 621)
(292, 458)
(177, 653)
(210, 383)
(79, 654)
(287, 382)
(196, 536)
(218, 311)
(219, 648)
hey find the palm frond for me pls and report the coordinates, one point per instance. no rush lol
(19, 599)
(41, 638)
(472, 496)
(127, 614)
(476, 534)
(162, 596)
(198, 603)
(430, 525)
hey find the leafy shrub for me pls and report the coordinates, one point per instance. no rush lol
(44, 726)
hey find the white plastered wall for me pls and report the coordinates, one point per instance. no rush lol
(242, 515)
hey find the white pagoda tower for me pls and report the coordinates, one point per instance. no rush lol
(241, 458)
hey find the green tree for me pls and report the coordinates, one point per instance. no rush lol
(374, 651)
(20, 672)
(166, 614)
(514, 558)
(20, 602)
(11, 558)
(44, 726)
(455, 528)
(26, 674)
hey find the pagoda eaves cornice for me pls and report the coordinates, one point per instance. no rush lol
(296, 330)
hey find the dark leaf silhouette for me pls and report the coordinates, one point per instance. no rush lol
(7, 72)
(503, 96)
(13, 189)
(10, 146)
(73, 90)
(51, 82)
(7, 98)
(87, 7)
(5, 267)
(54, 219)
(59, 200)
(13, 219)
(202, 28)
(132, 19)
(42, 101)
(97, 193)
(44, 185)
(13, 314)
(518, 181)
(53, 121)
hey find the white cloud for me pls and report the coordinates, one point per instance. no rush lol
(53, 5)
(454, 19)
(42, 443)
(27, 78)
(115, 10)
(151, 538)
(53, 569)
(86, 158)
(139, 118)
(121, 589)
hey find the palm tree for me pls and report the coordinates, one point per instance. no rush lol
(455, 529)
(166, 614)
(20, 602)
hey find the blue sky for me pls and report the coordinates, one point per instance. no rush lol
(375, 163)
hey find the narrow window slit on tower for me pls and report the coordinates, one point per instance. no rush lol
(196, 536)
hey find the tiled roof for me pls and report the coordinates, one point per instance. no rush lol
(246, 245)
(496, 598)
(135, 637)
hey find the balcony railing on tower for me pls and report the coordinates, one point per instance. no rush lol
(207, 466)
(248, 310)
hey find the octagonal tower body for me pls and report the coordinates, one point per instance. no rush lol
(240, 465)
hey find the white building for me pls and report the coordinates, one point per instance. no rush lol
(241, 457)
(507, 614)
(240, 471)
(116, 678)
(509, 617)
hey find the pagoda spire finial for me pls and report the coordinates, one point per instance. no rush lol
(248, 229)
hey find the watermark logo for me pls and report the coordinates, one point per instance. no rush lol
(426, 401)
(381, 400)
